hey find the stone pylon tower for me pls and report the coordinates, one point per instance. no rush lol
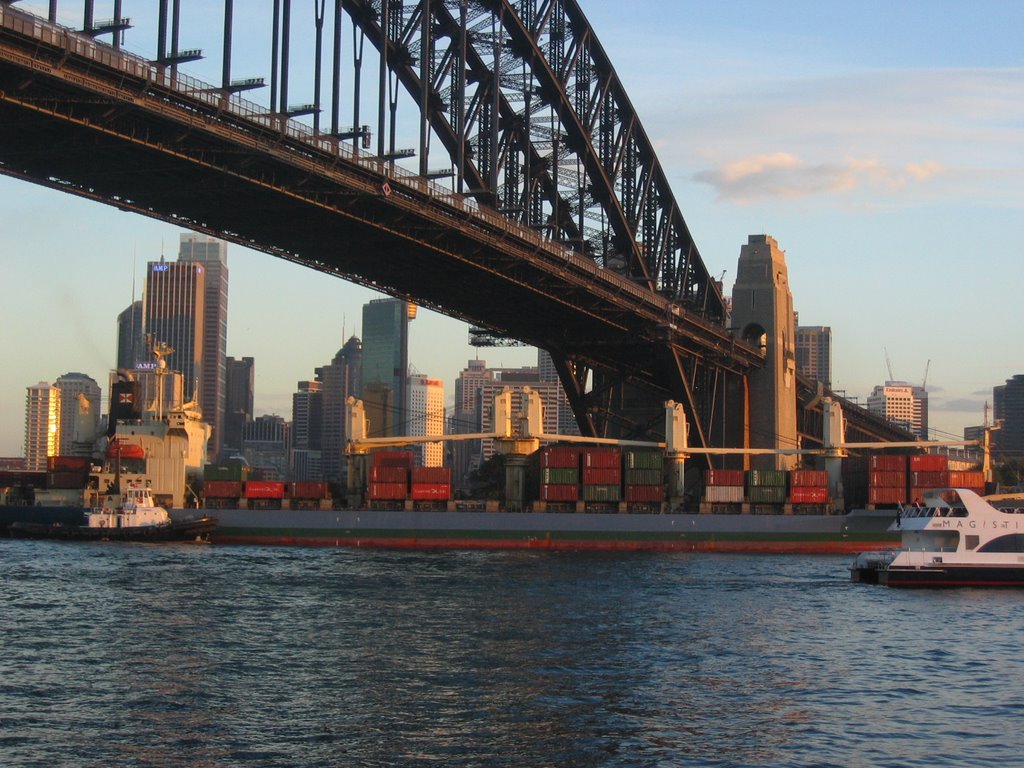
(762, 314)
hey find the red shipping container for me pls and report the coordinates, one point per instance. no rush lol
(966, 479)
(264, 489)
(442, 475)
(883, 495)
(308, 490)
(602, 476)
(809, 478)
(560, 457)
(645, 493)
(887, 463)
(916, 492)
(808, 495)
(222, 489)
(430, 492)
(386, 491)
(930, 479)
(887, 479)
(724, 477)
(604, 457)
(68, 463)
(559, 492)
(393, 459)
(388, 474)
(929, 462)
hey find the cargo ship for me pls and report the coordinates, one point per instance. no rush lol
(575, 496)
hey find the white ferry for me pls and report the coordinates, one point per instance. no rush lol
(954, 538)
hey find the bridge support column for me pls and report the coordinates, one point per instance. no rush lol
(762, 312)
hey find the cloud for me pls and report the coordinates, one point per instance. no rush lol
(784, 175)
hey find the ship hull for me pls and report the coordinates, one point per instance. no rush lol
(953, 576)
(181, 530)
(810, 534)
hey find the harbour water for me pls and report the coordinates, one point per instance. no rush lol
(187, 655)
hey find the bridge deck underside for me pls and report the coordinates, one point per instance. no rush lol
(129, 145)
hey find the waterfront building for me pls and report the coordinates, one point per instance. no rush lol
(339, 380)
(906, 405)
(265, 444)
(307, 432)
(79, 413)
(385, 365)
(426, 417)
(131, 338)
(465, 455)
(814, 353)
(42, 425)
(239, 397)
(1008, 408)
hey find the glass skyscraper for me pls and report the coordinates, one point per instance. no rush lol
(386, 365)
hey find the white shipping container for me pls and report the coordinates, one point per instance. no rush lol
(723, 494)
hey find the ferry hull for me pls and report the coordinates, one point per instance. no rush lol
(181, 530)
(810, 534)
(953, 576)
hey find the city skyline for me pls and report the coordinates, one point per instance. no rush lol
(881, 147)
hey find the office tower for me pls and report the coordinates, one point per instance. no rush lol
(466, 454)
(238, 401)
(213, 255)
(339, 380)
(131, 338)
(386, 365)
(307, 432)
(42, 425)
(79, 413)
(906, 405)
(566, 420)
(1008, 407)
(265, 444)
(814, 353)
(426, 417)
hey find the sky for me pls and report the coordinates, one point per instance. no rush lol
(881, 144)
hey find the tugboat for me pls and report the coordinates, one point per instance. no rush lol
(955, 538)
(123, 516)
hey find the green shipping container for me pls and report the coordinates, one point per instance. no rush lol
(767, 494)
(766, 477)
(560, 476)
(644, 477)
(644, 460)
(601, 493)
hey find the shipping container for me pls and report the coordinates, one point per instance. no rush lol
(388, 474)
(809, 478)
(929, 462)
(644, 493)
(887, 479)
(808, 495)
(386, 491)
(604, 456)
(644, 460)
(404, 459)
(560, 457)
(766, 494)
(560, 476)
(723, 494)
(308, 490)
(222, 489)
(882, 463)
(430, 491)
(766, 478)
(68, 463)
(723, 477)
(236, 472)
(264, 489)
(602, 476)
(557, 492)
(929, 479)
(644, 477)
(966, 479)
(66, 481)
(602, 493)
(883, 495)
(442, 475)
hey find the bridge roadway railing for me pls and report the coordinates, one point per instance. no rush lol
(303, 138)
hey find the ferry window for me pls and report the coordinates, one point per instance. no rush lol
(970, 542)
(1011, 543)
